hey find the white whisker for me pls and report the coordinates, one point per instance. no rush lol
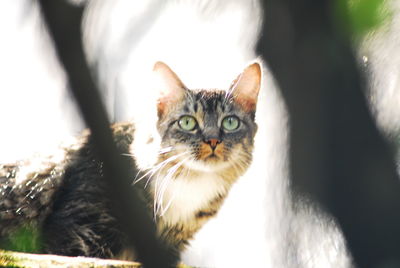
(162, 210)
(166, 150)
(147, 182)
(174, 191)
(162, 187)
(160, 180)
(157, 167)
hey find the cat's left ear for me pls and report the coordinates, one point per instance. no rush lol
(246, 87)
(170, 88)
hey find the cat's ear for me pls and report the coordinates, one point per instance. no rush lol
(170, 88)
(246, 87)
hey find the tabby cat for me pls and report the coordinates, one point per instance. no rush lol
(206, 143)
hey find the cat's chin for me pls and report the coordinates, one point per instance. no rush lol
(210, 164)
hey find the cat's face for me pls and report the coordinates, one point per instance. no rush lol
(208, 130)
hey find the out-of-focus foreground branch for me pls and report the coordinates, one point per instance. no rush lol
(23, 260)
(14, 259)
(338, 156)
(64, 24)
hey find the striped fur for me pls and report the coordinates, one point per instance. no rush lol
(66, 197)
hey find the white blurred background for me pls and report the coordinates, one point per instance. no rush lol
(36, 111)
(215, 39)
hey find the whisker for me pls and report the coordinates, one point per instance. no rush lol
(163, 185)
(174, 191)
(137, 175)
(164, 210)
(160, 180)
(161, 152)
(166, 150)
(164, 188)
(160, 191)
(157, 167)
(147, 182)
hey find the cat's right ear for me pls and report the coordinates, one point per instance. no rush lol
(170, 88)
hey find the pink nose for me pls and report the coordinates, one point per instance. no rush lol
(213, 142)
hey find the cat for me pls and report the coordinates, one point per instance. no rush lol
(205, 143)
(206, 42)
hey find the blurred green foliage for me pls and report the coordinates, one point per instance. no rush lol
(358, 17)
(25, 239)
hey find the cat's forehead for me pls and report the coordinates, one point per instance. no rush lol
(206, 100)
(208, 95)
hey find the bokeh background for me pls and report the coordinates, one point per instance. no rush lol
(337, 67)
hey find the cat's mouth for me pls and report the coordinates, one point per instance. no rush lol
(212, 160)
(212, 157)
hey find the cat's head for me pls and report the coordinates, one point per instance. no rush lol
(208, 130)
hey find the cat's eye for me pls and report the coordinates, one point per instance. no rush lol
(187, 122)
(230, 123)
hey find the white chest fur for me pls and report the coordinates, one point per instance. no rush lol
(181, 197)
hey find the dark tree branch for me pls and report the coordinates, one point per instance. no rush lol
(64, 24)
(338, 156)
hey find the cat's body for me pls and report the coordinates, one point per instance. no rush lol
(65, 198)
(68, 200)
(205, 145)
(207, 42)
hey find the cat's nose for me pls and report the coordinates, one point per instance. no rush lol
(213, 142)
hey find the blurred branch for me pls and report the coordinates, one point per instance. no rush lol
(64, 24)
(23, 260)
(338, 156)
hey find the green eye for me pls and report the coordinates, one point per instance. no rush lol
(187, 122)
(230, 123)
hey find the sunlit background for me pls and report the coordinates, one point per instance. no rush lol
(207, 44)
(36, 109)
